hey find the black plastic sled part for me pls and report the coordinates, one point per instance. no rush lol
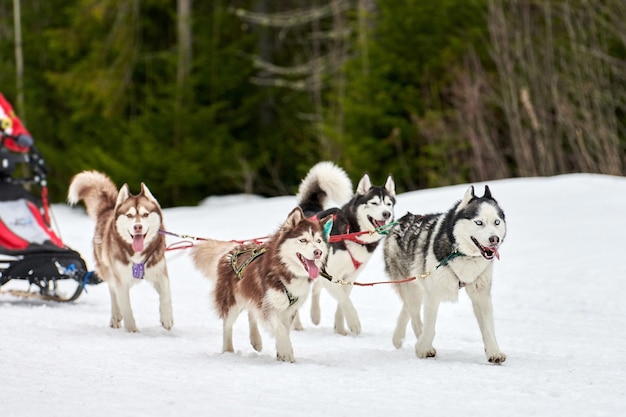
(57, 275)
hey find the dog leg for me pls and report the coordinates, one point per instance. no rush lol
(345, 313)
(424, 346)
(340, 327)
(162, 287)
(316, 313)
(349, 311)
(123, 298)
(483, 310)
(255, 336)
(411, 297)
(227, 334)
(284, 349)
(400, 332)
(116, 314)
(297, 324)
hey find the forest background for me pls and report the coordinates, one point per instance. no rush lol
(219, 97)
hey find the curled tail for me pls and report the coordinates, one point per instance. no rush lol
(95, 189)
(206, 256)
(325, 182)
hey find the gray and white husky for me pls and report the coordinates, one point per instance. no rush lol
(369, 208)
(127, 245)
(446, 252)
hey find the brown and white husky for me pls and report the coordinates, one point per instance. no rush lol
(127, 245)
(271, 280)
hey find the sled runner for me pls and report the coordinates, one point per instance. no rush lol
(32, 256)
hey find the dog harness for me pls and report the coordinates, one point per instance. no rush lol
(255, 253)
(139, 269)
(290, 297)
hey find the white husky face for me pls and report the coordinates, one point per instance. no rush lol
(375, 205)
(138, 218)
(305, 249)
(481, 226)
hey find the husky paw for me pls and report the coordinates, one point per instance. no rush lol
(397, 341)
(425, 353)
(256, 341)
(297, 324)
(316, 314)
(341, 330)
(131, 329)
(497, 358)
(167, 323)
(355, 327)
(285, 356)
(116, 322)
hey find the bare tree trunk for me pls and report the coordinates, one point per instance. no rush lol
(339, 55)
(470, 93)
(561, 91)
(19, 59)
(325, 52)
(183, 25)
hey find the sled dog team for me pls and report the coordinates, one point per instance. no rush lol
(318, 246)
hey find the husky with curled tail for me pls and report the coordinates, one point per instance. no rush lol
(127, 245)
(446, 252)
(371, 207)
(271, 280)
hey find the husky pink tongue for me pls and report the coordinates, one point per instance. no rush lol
(312, 269)
(495, 252)
(138, 243)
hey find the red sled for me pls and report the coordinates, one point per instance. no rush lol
(31, 252)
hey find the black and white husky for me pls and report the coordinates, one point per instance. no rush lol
(446, 252)
(369, 208)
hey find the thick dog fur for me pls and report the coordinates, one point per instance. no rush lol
(271, 285)
(446, 251)
(370, 207)
(126, 242)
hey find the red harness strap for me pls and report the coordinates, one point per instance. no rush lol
(353, 237)
(355, 263)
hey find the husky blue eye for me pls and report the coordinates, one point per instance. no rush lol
(303, 240)
(478, 222)
(497, 222)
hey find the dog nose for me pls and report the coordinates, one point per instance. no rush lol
(137, 227)
(494, 240)
(317, 253)
(386, 215)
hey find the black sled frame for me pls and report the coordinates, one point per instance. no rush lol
(54, 271)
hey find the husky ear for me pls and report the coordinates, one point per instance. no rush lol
(146, 192)
(487, 193)
(122, 195)
(469, 194)
(327, 225)
(390, 186)
(364, 185)
(295, 217)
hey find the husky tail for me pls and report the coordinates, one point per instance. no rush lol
(207, 255)
(96, 190)
(325, 182)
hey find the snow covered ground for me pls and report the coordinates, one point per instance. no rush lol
(560, 311)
